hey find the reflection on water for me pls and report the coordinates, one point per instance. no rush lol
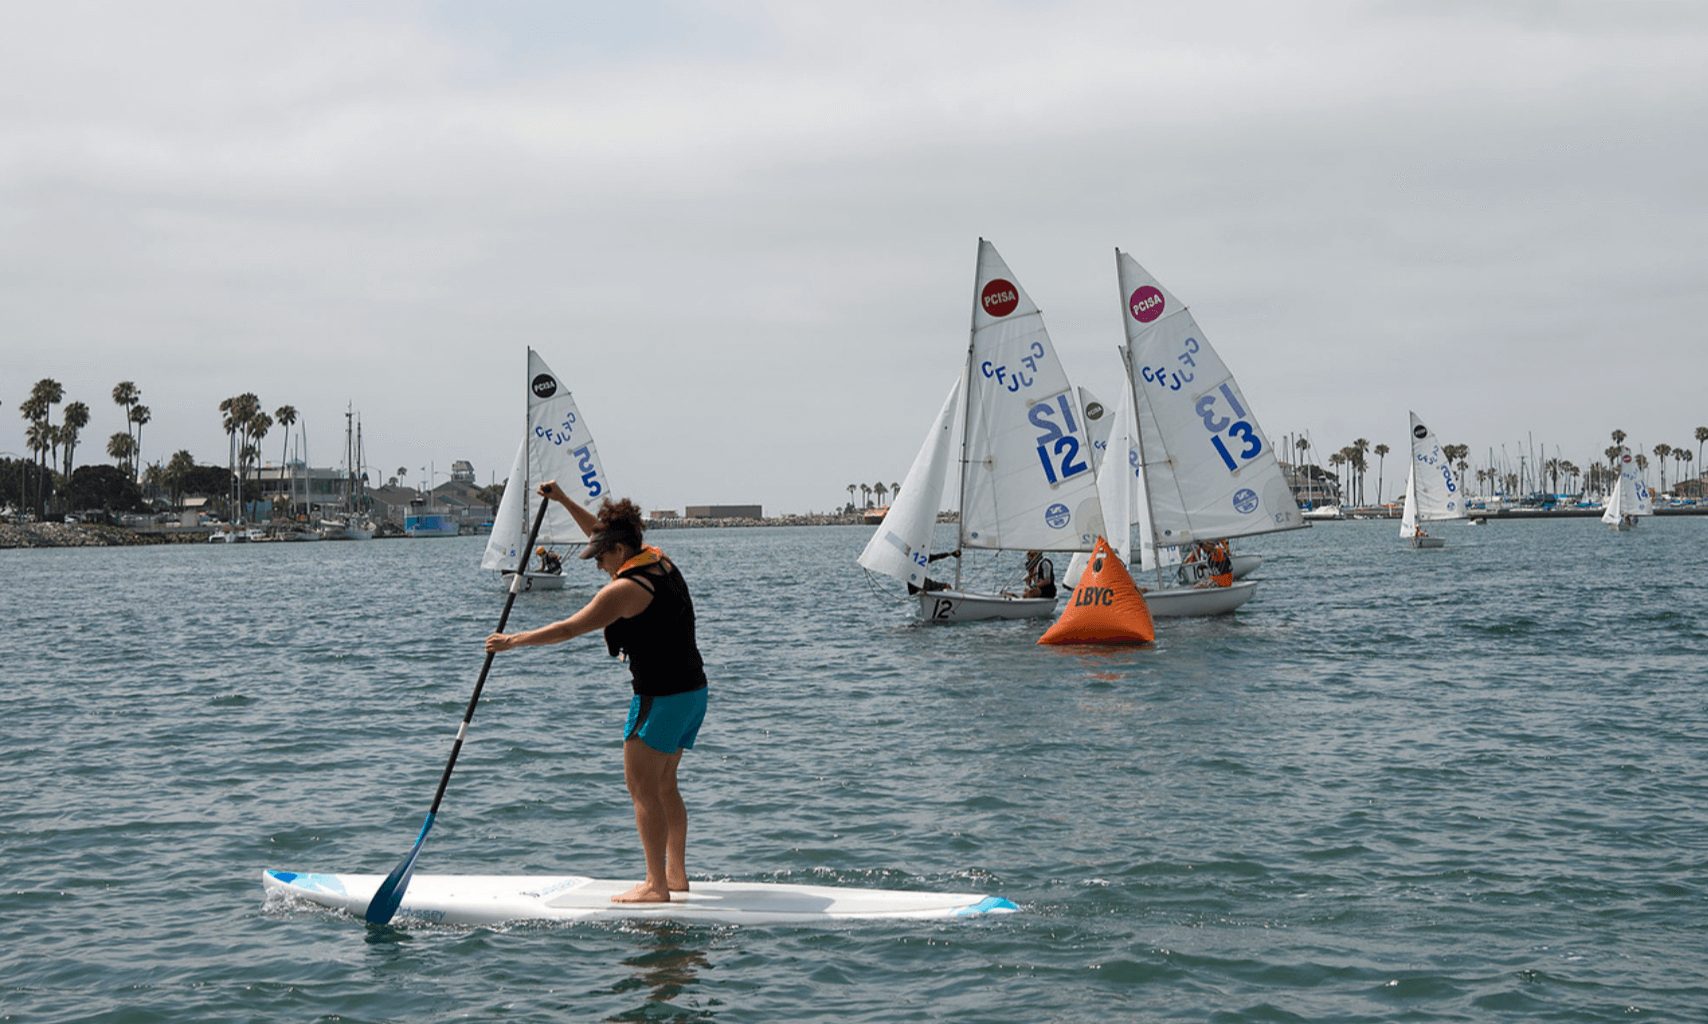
(666, 965)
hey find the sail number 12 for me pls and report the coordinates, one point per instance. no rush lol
(1229, 428)
(1058, 443)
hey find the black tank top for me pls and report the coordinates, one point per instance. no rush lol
(659, 642)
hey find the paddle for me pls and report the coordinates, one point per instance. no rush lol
(390, 894)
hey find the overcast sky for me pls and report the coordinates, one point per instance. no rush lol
(744, 234)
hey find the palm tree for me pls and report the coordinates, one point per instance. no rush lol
(1701, 436)
(258, 426)
(121, 447)
(1381, 451)
(1359, 447)
(1661, 452)
(287, 417)
(851, 489)
(38, 408)
(178, 470)
(125, 395)
(880, 490)
(866, 495)
(38, 435)
(139, 415)
(75, 419)
(1337, 460)
(1684, 457)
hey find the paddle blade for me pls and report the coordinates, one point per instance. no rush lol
(390, 894)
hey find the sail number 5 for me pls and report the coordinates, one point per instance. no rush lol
(1229, 428)
(1058, 443)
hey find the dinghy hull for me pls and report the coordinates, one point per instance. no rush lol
(960, 606)
(1193, 602)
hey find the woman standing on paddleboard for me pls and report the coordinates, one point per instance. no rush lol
(648, 618)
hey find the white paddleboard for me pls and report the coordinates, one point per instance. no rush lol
(497, 899)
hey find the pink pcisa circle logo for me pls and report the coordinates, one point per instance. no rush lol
(1146, 303)
(1625, 458)
(999, 298)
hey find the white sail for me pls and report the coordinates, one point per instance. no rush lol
(1026, 462)
(1209, 469)
(560, 447)
(1629, 496)
(1434, 489)
(902, 544)
(510, 526)
(1408, 515)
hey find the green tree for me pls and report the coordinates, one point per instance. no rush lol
(1381, 451)
(110, 488)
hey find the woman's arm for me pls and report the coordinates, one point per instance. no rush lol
(588, 522)
(618, 599)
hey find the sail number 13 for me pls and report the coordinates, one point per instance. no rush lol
(1058, 443)
(1229, 428)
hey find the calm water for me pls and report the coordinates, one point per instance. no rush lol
(1398, 786)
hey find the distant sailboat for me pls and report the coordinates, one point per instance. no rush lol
(1629, 498)
(556, 446)
(1208, 472)
(1024, 478)
(1432, 492)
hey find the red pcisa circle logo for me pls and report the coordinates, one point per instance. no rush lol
(999, 298)
(1146, 303)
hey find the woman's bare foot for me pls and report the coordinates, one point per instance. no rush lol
(677, 883)
(643, 893)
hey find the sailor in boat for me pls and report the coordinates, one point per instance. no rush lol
(550, 563)
(1420, 535)
(648, 618)
(1040, 575)
(931, 584)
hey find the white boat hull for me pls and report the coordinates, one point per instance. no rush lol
(1428, 542)
(499, 899)
(1245, 565)
(1185, 602)
(960, 606)
(535, 580)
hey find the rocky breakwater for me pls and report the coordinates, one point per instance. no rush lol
(70, 535)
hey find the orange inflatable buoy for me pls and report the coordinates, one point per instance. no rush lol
(1106, 607)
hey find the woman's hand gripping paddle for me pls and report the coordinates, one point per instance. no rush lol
(390, 894)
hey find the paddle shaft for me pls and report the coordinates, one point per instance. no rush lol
(503, 620)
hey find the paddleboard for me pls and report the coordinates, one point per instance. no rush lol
(498, 899)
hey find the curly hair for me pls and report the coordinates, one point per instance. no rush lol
(621, 518)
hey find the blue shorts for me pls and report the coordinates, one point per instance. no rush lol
(667, 724)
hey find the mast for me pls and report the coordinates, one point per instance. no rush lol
(527, 464)
(966, 413)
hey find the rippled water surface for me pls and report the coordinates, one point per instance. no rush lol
(1465, 784)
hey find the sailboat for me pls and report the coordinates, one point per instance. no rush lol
(1432, 492)
(1629, 498)
(556, 445)
(1023, 477)
(347, 523)
(1208, 472)
(1114, 432)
